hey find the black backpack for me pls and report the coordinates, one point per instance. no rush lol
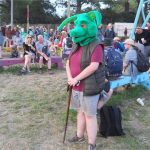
(45, 49)
(110, 121)
(69, 42)
(14, 54)
(142, 63)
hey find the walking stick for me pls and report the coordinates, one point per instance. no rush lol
(69, 88)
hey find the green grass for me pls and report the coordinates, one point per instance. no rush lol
(36, 111)
(126, 95)
(120, 99)
(16, 69)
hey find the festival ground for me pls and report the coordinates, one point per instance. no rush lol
(33, 111)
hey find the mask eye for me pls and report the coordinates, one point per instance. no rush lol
(83, 25)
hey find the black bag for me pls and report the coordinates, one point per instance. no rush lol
(14, 53)
(45, 49)
(110, 121)
(142, 63)
(69, 42)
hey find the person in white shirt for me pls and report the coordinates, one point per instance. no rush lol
(43, 51)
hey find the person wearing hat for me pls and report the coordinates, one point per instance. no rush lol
(130, 68)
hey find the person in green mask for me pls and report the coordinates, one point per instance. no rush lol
(86, 73)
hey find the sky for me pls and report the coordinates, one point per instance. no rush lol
(59, 10)
(62, 10)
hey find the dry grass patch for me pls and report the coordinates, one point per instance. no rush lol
(33, 110)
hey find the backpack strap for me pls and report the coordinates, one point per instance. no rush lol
(132, 70)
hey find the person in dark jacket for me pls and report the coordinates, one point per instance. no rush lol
(1, 42)
(143, 36)
(109, 35)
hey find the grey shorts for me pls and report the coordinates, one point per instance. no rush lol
(87, 104)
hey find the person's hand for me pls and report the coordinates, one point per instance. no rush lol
(143, 40)
(69, 80)
(72, 81)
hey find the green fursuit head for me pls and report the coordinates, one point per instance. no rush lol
(85, 27)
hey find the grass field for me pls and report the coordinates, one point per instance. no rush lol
(33, 111)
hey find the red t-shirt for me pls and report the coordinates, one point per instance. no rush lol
(75, 60)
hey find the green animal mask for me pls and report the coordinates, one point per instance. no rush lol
(85, 27)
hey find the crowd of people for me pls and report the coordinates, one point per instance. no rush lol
(38, 44)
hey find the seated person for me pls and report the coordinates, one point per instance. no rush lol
(53, 49)
(14, 52)
(18, 41)
(1, 42)
(29, 53)
(43, 54)
(130, 61)
(105, 95)
(119, 45)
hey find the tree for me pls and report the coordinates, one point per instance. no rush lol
(5, 11)
(119, 10)
(122, 5)
(41, 11)
(78, 6)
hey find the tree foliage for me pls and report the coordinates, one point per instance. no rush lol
(44, 11)
(79, 6)
(40, 11)
(119, 10)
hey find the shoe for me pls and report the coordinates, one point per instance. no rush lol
(23, 70)
(77, 140)
(50, 71)
(29, 71)
(91, 147)
(40, 71)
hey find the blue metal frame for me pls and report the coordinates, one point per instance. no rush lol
(140, 11)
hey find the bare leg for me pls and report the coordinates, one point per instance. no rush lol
(0, 51)
(29, 62)
(91, 126)
(26, 61)
(49, 64)
(102, 102)
(81, 124)
(41, 61)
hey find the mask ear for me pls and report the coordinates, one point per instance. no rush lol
(95, 15)
(66, 21)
